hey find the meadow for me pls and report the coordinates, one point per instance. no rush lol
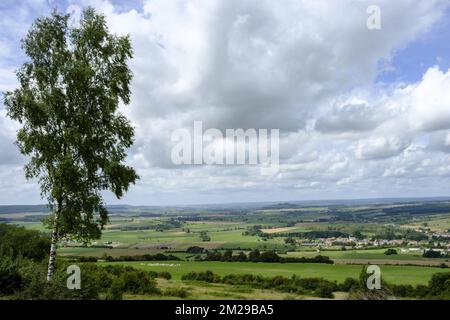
(393, 274)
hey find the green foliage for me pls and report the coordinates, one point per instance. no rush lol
(37, 287)
(289, 241)
(314, 286)
(206, 276)
(204, 236)
(18, 241)
(432, 254)
(254, 255)
(257, 256)
(165, 275)
(358, 235)
(11, 281)
(253, 231)
(195, 250)
(349, 284)
(136, 282)
(23, 278)
(403, 290)
(67, 103)
(390, 252)
(176, 292)
(269, 256)
(439, 286)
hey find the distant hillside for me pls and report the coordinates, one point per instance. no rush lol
(423, 205)
(24, 209)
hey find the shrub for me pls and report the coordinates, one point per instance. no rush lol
(38, 288)
(164, 275)
(195, 250)
(20, 242)
(87, 259)
(136, 282)
(325, 291)
(176, 292)
(348, 285)
(10, 279)
(439, 285)
(390, 252)
(206, 276)
(432, 254)
(115, 292)
(403, 290)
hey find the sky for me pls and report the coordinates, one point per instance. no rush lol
(361, 113)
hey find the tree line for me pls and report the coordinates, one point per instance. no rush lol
(258, 256)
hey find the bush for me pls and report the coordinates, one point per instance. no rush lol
(390, 252)
(432, 254)
(421, 291)
(20, 242)
(178, 292)
(38, 288)
(403, 290)
(325, 291)
(195, 250)
(87, 259)
(206, 276)
(266, 256)
(164, 275)
(349, 284)
(115, 292)
(10, 279)
(110, 281)
(439, 285)
(136, 282)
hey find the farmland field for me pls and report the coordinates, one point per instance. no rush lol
(197, 240)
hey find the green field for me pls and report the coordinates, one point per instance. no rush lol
(377, 254)
(392, 274)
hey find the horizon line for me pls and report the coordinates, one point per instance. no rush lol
(429, 198)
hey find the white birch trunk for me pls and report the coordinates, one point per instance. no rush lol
(52, 258)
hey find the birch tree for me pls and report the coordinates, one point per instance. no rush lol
(67, 104)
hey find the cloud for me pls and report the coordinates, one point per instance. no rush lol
(430, 101)
(350, 118)
(380, 148)
(308, 68)
(259, 64)
(440, 141)
(9, 154)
